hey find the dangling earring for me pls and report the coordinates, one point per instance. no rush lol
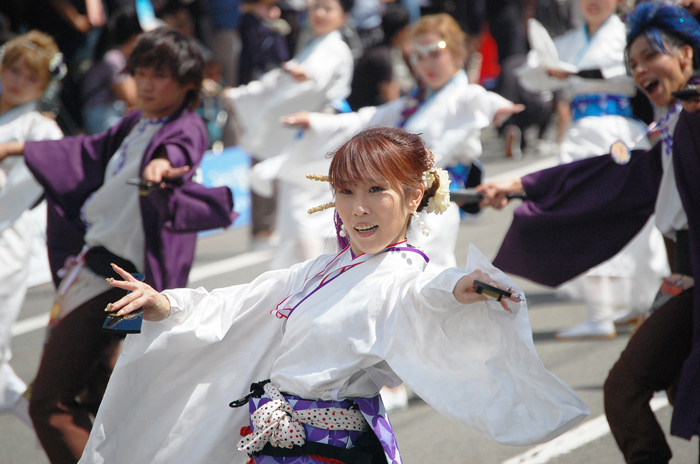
(343, 232)
(416, 217)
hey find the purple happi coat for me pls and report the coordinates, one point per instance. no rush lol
(686, 165)
(73, 168)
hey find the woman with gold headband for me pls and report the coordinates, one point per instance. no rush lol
(447, 111)
(28, 64)
(320, 339)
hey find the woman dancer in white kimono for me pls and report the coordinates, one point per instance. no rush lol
(27, 66)
(602, 115)
(449, 114)
(330, 333)
(319, 74)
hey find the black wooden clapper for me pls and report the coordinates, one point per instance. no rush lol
(128, 323)
(469, 196)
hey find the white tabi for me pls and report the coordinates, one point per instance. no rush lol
(260, 105)
(630, 279)
(23, 256)
(449, 122)
(376, 323)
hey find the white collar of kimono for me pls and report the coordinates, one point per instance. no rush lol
(313, 43)
(610, 19)
(342, 262)
(666, 125)
(460, 76)
(146, 120)
(17, 111)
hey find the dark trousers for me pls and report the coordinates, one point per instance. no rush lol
(263, 212)
(651, 362)
(75, 367)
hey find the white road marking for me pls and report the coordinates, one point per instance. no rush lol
(29, 324)
(575, 438)
(229, 265)
(539, 165)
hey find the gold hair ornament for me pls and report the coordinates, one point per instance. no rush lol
(318, 177)
(321, 207)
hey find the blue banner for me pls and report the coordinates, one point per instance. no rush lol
(230, 168)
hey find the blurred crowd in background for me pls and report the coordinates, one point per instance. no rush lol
(242, 39)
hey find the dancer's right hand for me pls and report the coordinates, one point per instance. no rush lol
(297, 72)
(300, 120)
(558, 73)
(156, 306)
(494, 193)
(11, 149)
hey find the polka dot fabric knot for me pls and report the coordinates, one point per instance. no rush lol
(277, 423)
(273, 423)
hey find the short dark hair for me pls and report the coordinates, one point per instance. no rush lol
(167, 49)
(347, 5)
(394, 19)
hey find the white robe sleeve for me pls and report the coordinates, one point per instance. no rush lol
(260, 105)
(326, 133)
(167, 400)
(477, 364)
(460, 140)
(22, 190)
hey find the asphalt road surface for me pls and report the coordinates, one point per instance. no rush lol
(423, 435)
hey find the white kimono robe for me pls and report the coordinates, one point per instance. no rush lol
(640, 266)
(260, 105)
(450, 124)
(23, 257)
(382, 321)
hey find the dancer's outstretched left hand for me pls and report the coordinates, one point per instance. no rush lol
(465, 290)
(156, 306)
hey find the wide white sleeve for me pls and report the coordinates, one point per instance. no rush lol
(477, 364)
(277, 94)
(460, 140)
(21, 190)
(545, 53)
(533, 76)
(327, 132)
(167, 400)
(331, 68)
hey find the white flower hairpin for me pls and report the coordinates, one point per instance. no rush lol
(438, 203)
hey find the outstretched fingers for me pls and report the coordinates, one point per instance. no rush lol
(131, 301)
(175, 172)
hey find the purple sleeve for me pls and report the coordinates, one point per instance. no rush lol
(70, 169)
(184, 143)
(195, 208)
(578, 215)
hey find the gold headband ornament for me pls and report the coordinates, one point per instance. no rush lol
(320, 178)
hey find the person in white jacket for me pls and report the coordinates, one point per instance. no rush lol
(27, 66)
